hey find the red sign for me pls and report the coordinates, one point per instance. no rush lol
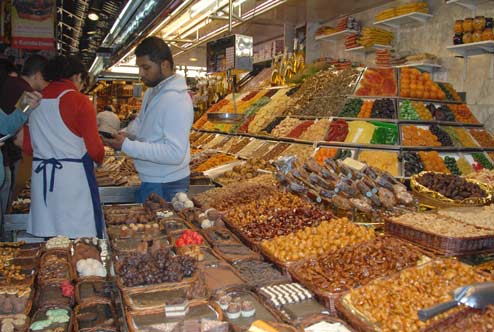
(33, 24)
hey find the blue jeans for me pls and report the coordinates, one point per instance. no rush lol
(165, 190)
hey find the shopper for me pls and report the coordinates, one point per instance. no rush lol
(107, 120)
(65, 143)
(9, 124)
(161, 149)
(31, 79)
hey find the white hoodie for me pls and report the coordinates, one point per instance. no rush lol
(161, 149)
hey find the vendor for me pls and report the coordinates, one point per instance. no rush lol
(108, 120)
(158, 140)
(65, 144)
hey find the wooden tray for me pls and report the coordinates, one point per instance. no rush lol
(440, 244)
(110, 310)
(197, 310)
(66, 327)
(54, 284)
(213, 280)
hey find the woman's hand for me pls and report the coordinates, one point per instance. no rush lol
(33, 99)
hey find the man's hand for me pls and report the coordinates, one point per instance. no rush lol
(33, 98)
(1, 144)
(115, 142)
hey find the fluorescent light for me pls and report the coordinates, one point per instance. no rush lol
(193, 59)
(200, 6)
(125, 70)
(93, 16)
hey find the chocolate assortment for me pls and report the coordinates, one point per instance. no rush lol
(257, 273)
(148, 269)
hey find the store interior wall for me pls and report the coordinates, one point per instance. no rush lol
(432, 37)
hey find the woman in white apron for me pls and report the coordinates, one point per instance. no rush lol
(64, 193)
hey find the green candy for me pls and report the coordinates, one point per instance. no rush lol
(39, 325)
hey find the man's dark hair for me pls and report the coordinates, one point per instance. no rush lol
(156, 49)
(34, 64)
(62, 67)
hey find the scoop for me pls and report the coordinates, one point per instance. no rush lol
(476, 296)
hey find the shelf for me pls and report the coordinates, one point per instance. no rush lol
(468, 4)
(397, 21)
(373, 48)
(429, 67)
(465, 50)
(337, 35)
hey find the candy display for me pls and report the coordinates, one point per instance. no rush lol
(314, 241)
(338, 131)
(416, 84)
(441, 135)
(412, 163)
(482, 137)
(384, 109)
(414, 7)
(463, 114)
(451, 186)
(481, 159)
(359, 132)
(258, 273)
(243, 172)
(412, 289)
(285, 127)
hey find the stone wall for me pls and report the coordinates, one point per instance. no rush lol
(432, 37)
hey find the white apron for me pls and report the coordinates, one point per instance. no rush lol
(64, 194)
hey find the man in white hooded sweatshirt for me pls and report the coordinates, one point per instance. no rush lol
(158, 140)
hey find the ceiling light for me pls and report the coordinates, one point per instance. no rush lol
(193, 59)
(93, 16)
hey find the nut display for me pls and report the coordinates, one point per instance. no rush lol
(224, 198)
(284, 222)
(476, 216)
(451, 186)
(54, 266)
(441, 225)
(285, 127)
(301, 151)
(315, 241)
(354, 266)
(148, 269)
(257, 273)
(317, 131)
(239, 145)
(469, 320)
(393, 302)
(246, 171)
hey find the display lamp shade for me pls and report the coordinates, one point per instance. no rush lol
(93, 16)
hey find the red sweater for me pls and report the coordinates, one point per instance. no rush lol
(79, 116)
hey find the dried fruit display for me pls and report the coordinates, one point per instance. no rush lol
(366, 110)
(258, 273)
(317, 131)
(360, 132)
(302, 151)
(464, 166)
(214, 161)
(450, 163)
(137, 269)
(315, 241)
(407, 111)
(239, 145)
(442, 225)
(377, 82)
(383, 109)
(354, 266)
(280, 103)
(441, 113)
(416, 84)
(338, 131)
(352, 107)
(412, 163)
(383, 160)
(249, 149)
(259, 211)
(468, 320)
(433, 162)
(422, 111)
(484, 176)
(463, 114)
(275, 151)
(482, 137)
(450, 91)
(392, 303)
(480, 217)
(331, 153)
(14, 299)
(263, 150)
(297, 131)
(284, 222)
(285, 127)
(481, 159)
(464, 138)
(451, 186)
(441, 135)
(416, 136)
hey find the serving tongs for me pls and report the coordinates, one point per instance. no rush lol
(477, 296)
(22, 105)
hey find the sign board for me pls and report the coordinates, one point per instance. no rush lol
(33, 25)
(232, 52)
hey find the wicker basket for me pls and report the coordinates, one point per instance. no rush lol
(130, 315)
(432, 198)
(189, 285)
(17, 329)
(78, 308)
(69, 325)
(29, 302)
(232, 258)
(89, 280)
(440, 244)
(55, 283)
